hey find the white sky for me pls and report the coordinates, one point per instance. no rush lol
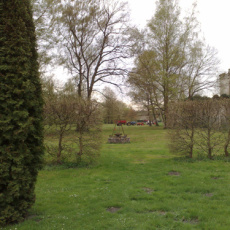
(214, 17)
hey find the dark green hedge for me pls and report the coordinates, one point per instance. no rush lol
(21, 132)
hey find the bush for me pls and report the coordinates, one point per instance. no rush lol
(200, 125)
(74, 124)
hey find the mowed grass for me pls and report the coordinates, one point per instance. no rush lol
(133, 186)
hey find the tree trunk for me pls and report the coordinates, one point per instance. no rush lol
(60, 148)
(210, 153)
(191, 151)
(154, 116)
(227, 144)
(153, 112)
(149, 115)
(192, 143)
(165, 111)
(79, 154)
(209, 145)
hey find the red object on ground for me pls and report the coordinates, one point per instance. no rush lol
(121, 122)
(140, 123)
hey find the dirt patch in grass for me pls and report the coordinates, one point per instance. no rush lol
(209, 194)
(148, 190)
(158, 212)
(149, 157)
(215, 178)
(193, 221)
(139, 162)
(38, 220)
(30, 217)
(113, 209)
(162, 213)
(33, 217)
(174, 173)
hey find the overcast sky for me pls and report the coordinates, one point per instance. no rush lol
(213, 16)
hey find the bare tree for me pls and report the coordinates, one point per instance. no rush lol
(144, 85)
(92, 41)
(199, 74)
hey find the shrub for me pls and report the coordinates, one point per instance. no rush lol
(182, 123)
(89, 130)
(75, 124)
(202, 125)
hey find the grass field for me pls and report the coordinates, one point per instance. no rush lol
(133, 186)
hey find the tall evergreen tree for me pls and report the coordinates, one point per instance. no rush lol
(21, 140)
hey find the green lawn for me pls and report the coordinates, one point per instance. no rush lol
(133, 186)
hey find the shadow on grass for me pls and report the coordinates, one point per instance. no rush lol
(67, 165)
(201, 158)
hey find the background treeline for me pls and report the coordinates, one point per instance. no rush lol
(114, 109)
(200, 126)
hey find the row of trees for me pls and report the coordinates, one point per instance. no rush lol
(200, 126)
(114, 109)
(173, 62)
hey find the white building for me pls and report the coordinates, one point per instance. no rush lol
(225, 83)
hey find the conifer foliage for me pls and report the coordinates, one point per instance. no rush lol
(21, 140)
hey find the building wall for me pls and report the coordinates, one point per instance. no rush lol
(225, 83)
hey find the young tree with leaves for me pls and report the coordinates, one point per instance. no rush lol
(21, 132)
(182, 64)
(145, 88)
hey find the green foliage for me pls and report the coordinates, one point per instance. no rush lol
(21, 141)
